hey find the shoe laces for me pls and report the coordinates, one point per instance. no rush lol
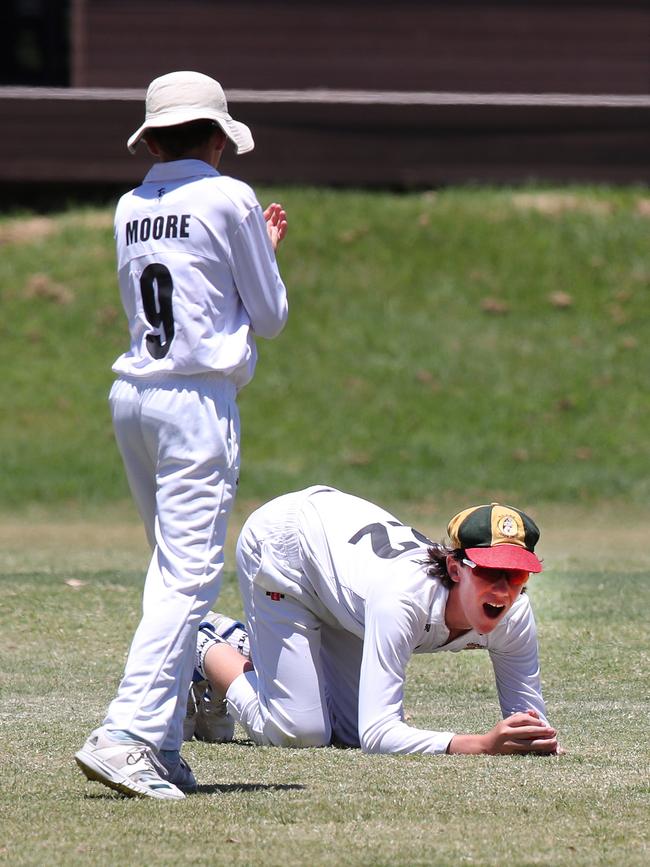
(150, 768)
(212, 706)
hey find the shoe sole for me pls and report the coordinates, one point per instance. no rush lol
(99, 772)
(212, 739)
(222, 731)
(188, 790)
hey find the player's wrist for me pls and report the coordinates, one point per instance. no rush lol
(468, 745)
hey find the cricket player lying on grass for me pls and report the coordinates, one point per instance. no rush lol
(338, 594)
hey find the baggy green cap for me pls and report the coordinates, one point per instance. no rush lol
(496, 537)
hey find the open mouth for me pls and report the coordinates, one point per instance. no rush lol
(493, 611)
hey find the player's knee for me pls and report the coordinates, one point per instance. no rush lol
(303, 740)
(299, 737)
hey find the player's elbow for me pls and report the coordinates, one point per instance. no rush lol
(271, 326)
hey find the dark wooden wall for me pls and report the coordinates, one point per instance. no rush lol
(528, 46)
(360, 145)
(521, 47)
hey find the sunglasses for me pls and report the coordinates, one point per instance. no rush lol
(515, 577)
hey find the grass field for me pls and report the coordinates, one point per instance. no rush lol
(471, 342)
(442, 348)
(71, 595)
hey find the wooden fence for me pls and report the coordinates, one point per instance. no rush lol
(409, 94)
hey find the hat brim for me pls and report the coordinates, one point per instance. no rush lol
(238, 133)
(505, 557)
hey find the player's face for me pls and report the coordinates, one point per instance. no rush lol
(482, 597)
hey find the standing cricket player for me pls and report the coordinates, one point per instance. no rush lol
(199, 281)
(338, 595)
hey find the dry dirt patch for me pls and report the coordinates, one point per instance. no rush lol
(555, 203)
(42, 286)
(29, 230)
(90, 220)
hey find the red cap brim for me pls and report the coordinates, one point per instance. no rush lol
(505, 557)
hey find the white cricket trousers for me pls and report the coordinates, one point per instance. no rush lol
(304, 690)
(179, 440)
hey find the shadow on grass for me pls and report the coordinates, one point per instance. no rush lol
(211, 789)
(248, 787)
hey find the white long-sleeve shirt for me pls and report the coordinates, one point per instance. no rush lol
(197, 272)
(359, 568)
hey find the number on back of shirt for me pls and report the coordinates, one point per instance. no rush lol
(156, 286)
(381, 542)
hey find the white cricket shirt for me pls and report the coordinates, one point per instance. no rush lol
(197, 273)
(361, 569)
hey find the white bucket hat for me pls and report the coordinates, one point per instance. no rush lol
(180, 97)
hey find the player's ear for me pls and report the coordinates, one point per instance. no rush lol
(219, 138)
(152, 145)
(453, 568)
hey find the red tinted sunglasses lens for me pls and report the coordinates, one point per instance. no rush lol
(518, 578)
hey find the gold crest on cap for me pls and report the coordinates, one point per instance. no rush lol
(508, 526)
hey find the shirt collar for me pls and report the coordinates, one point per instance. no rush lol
(437, 614)
(177, 170)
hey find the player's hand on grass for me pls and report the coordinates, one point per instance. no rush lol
(518, 733)
(521, 733)
(276, 223)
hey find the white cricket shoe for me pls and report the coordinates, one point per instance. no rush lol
(189, 723)
(129, 767)
(206, 715)
(212, 722)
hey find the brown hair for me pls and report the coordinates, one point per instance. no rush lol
(175, 141)
(436, 561)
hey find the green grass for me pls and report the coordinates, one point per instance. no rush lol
(427, 352)
(428, 362)
(65, 630)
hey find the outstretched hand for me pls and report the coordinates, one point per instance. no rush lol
(519, 733)
(276, 223)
